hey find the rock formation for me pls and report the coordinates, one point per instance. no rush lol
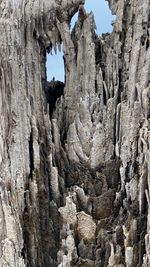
(74, 174)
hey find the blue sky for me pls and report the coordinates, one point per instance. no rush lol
(103, 18)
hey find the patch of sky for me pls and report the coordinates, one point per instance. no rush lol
(103, 19)
(55, 66)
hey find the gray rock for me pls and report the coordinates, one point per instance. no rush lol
(95, 137)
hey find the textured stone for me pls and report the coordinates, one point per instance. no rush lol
(103, 205)
(86, 226)
(69, 212)
(74, 166)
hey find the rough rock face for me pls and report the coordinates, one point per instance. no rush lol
(74, 166)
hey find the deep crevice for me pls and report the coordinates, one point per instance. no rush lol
(104, 97)
(31, 156)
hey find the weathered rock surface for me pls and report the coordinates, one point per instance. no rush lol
(74, 166)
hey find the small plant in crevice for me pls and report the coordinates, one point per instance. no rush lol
(53, 91)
